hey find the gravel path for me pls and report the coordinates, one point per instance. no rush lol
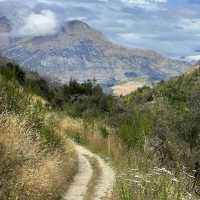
(104, 183)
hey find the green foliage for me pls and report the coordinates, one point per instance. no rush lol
(39, 87)
(50, 137)
(12, 99)
(174, 106)
(18, 100)
(125, 193)
(75, 88)
(86, 100)
(134, 129)
(11, 71)
(104, 132)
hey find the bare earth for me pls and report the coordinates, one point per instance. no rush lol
(128, 87)
(104, 183)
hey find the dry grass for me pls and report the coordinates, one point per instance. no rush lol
(91, 136)
(128, 87)
(28, 169)
(69, 124)
(37, 99)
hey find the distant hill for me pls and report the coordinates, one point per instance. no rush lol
(80, 52)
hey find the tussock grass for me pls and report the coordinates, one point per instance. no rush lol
(36, 161)
(28, 169)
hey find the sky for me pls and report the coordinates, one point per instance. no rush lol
(171, 27)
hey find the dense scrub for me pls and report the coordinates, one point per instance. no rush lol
(77, 99)
(175, 110)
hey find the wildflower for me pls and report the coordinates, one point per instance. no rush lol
(175, 180)
(163, 170)
(138, 176)
(133, 170)
(190, 176)
(135, 181)
(156, 173)
(189, 194)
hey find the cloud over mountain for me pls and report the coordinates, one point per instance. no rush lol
(39, 24)
(152, 24)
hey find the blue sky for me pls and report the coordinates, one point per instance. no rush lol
(171, 27)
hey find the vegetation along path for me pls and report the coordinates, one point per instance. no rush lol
(94, 180)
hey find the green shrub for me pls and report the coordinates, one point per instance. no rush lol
(134, 129)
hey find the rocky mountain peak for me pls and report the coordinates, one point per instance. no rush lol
(76, 26)
(80, 30)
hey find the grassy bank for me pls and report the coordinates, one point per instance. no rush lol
(36, 161)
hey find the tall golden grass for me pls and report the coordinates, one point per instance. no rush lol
(29, 170)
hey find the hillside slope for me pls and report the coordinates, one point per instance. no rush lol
(151, 136)
(41, 161)
(174, 107)
(80, 52)
(36, 161)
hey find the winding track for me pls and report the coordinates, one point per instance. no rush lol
(104, 183)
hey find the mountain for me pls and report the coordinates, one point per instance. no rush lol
(78, 51)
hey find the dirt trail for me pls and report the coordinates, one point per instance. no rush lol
(104, 182)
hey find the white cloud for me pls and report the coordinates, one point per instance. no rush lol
(51, 2)
(192, 58)
(146, 4)
(76, 18)
(103, 0)
(130, 36)
(191, 25)
(39, 24)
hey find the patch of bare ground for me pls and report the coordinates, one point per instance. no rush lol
(93, 181)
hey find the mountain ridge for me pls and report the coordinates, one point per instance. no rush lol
(78, 51)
